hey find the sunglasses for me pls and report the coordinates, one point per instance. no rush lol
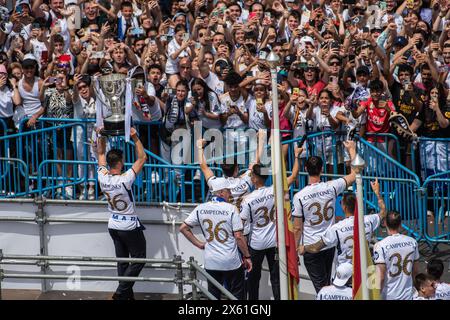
(259, 89)
(95, 30)
(185, 67)
(335, 63)
(310, 69)
(62, 65)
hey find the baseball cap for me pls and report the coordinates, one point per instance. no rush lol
(343, 272)
(29, 61)
(306, 39)
(217, 184)
(362, 70)
(20, 2)
(400, 41)
(289, 59)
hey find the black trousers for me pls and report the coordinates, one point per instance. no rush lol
(319, 267)
(234, 280)
(128, 244)
(255, 275)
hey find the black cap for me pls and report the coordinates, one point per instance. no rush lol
(289, 59)
(29, 63)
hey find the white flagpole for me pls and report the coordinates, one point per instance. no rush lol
(273, 60)
(358, 165)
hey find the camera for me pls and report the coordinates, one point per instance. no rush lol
(136, 31)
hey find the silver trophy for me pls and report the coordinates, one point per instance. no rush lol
(112, 87)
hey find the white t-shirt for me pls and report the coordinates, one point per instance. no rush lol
(6, 103)
(398, 252)
(341, 235)
(172, 64)
(299, 121)
(117, 189)
(214, 106)
(213, 82)
(258, 214)
(141, 111)
(442, 291)
(256, 118)
(240, 187)
(218, 221)
(316, 204)
(233, 121)
(334, 293)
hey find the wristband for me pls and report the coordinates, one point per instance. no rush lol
(247, 257)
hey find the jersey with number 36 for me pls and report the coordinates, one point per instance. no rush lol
(118, 193)
(258, 212)
(316, 204)
(398, 252)
(218, 221)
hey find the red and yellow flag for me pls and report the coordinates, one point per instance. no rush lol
(291, 252)
(358, 285)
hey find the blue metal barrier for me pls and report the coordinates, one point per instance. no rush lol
(388, 138)
(437, 195)
(13, 178)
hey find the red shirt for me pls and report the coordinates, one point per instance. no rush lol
(314, 89)
(285, 125)
(377, 118)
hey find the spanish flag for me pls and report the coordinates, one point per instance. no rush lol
(358, 285)
(291, 252)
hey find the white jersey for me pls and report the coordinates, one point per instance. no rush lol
(118, 193)
(442, 291)
(398, 252)
(334, 293)
(233, 121)
(258, 214)
(218, 221)
(316, 204)
(240, 187)
(256, 118)
(340, 235)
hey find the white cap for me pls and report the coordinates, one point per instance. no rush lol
(19, 2)
(343, 272)
(307, 39)
(217, 184)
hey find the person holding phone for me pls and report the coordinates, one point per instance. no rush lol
(259, 108)
(203, 105)
(176, 49)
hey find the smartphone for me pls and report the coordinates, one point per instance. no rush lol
(382, 5)
(267, 15)
(365, 30)
(163, 38)
(333, 80)
(302, 141)
(259, 101)
(349, 2)
(351, 57)
(19, 9)
(186, 37)
(44, 55)
(296, 91)
(351, 134)
(52, 80)
(251, 15)
(98, 55)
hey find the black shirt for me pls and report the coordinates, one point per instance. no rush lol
(430, 127)
(403, 100)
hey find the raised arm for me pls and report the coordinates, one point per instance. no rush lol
(140, 153)
(351, 148)
(295, 168)
(207, 172)
(101, 150)
(376, 189)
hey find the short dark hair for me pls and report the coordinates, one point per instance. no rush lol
(155, 66)
(420, 280)
(257, 171)
(179, 27)
(405, 68)
(393, 220)
(376, 85)
(435, 268)
(314, 165)
(126, 4)
(58, 38)
(228, 168)
(113, 157)
(349, 200)
(233, 79)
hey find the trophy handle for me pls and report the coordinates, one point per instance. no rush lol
(97, 93)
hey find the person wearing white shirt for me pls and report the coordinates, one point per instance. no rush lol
(341, 287)
(425, 286)
(258, 214)
(222, 229)
(435, 268)
(313, 212)
(396, 258)
(340, 235)
(124, 226)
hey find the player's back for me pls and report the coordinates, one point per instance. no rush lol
(258, 212)
(398, 252)
(239, 187)
(316, 203)
(218, 221)
(334, 293)
(442, 291)
(118, 193)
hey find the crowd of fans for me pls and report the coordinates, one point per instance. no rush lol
(344, 65)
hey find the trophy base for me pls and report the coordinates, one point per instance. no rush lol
(114, 128)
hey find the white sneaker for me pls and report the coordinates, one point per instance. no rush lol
(91, 193)
(155, 177)
(69, 192)
(197, 175)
